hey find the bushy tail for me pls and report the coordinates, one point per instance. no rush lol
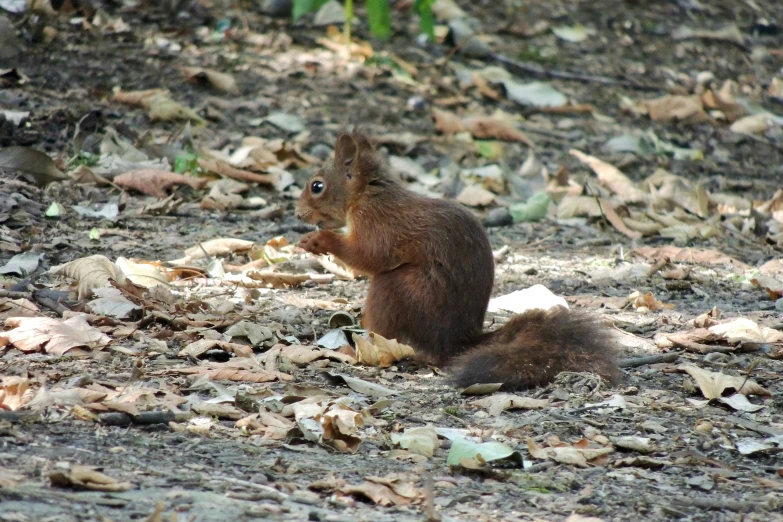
(533, 347)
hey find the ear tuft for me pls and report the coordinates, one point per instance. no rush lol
(346, 151)
(362, 141)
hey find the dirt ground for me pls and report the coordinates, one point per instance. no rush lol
(690, 467)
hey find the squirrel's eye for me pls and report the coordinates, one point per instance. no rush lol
(316, 187)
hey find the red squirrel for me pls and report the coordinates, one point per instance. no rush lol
(431, 273)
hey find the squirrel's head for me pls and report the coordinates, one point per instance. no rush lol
(328, 196)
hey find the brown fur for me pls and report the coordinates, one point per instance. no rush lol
(431, 274)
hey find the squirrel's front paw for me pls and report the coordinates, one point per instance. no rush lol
(315, 242)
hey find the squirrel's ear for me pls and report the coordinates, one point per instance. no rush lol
(346, 152)
(363, 142)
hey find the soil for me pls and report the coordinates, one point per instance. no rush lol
(693, 469)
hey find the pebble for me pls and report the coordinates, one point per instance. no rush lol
(498, 217)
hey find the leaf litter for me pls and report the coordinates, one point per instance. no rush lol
(198, 313)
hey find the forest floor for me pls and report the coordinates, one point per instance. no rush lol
(225, 444)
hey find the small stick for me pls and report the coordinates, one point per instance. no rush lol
(635, 362)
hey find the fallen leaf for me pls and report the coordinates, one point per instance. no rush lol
(475, 196)
(577, 455)
(84, 477)
(155, 182)
(359, 385)
(144, 274)
(111, 302)
(379, 493)
(714, 384)
(610, 177)
(496, 404)
(198, 348)
(221, 81)
(55, 336)
(14, 393)
(22, 264)
(753, 124)
(744, 330)
(420, 440)
(37, 165)
(474, 455)
(699, 256)
(648, 301)
(481, 127)
(379, 351)
(675, 107)
(90, 272)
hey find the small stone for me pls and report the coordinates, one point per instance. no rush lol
(321, 151)
(498, 217)
(277, 8)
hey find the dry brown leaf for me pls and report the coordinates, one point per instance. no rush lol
(144, 273)
(220, 246)
(648, 300)
(496, 404)
(616, 221)
(484, 88)
(578, 455)
(448, 122)
(488, 127)
(379, 493)
(713, 385)
(578, 206)
(481, 127)
(670, 191)
(18, 308)
(284, 280)
(55, 336)
(198, 348)
(675, 107)
(300, 355)
(610, 177)
(774, 287)
(773, 267)
(400, 483)
(725, 101)
(754, 124)
(379, 351)
(85, 477)
(91, 272)
(475, 196)
(163, 108)
(238, 369)
(743, 330)
(155, 182)
(14, 393)
(698, 256)
(140, 98)
(221, 81)
(338, 269)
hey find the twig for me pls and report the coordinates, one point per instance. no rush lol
(753, 425)
(14, 295)
(635, 362)
(145, 417)
(277, 495)
(709, 348)
(720, 503)
(527, 68)
(535, 468)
